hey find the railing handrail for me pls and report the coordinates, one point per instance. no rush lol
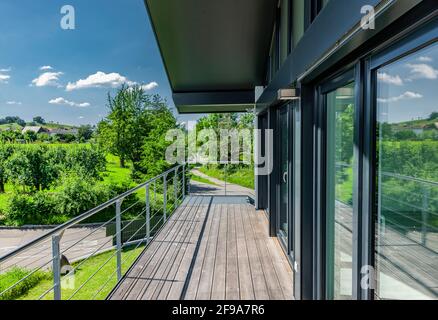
(394, 175)
(408, 178)
(85, 215)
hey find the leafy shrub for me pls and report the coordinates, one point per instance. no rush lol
(37, 167)
(39, 208)
(13, 276)
(77, 195)
(32, 166)
(85, 161)
(74, 196)
(5, 152)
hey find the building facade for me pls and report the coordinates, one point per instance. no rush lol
(344, 86)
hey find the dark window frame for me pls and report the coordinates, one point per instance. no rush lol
(365, 77)
(421, 37)
(290, 15)
(346, 75)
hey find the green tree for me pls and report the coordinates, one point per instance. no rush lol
(113, 131)
(5, 152)
(30, 136)
(344, 139)
(39, 120)
(433, 116)
(160, 120)
(405, 135)
(29, 166)
(10, 136)
(134, 117)
(85, 132)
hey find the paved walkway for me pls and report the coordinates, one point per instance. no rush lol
(83, 241)
(200, 188)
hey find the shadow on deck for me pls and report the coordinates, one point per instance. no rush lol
(211, 248)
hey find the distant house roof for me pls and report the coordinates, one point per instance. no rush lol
(36, 129)
(64, 131)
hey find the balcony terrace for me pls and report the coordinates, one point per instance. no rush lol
(213, 247)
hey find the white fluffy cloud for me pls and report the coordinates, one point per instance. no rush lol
(4, 78)
(425, 59)
(99, 80)
(422, 71)
(404, 96)
(62, 101)
(386, 78)
(106, 80)
(14, 103)
(47, 79)
(149, 86)
(44, 68)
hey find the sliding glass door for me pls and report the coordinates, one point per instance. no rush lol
(376, 175)
(406, 195)
(283, 165)
(339, 110)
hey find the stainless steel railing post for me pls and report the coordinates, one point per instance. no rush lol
(119, 238)
(165, 198)
(148, 215)
(175, 188)
(425, 214)
(184, 181)
(56, 255)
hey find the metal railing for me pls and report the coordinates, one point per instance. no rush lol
(124, 224)
(408, 205)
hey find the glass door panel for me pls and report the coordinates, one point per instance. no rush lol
(283, 219)
(406, 252)
(339, 205)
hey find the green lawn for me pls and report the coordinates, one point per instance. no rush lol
(113, 171)
(243, 176)
(344, 187)
(15, 275)
(194, 177)
(11, 126)
(97, 288)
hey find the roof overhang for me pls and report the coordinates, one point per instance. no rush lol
(215, 52)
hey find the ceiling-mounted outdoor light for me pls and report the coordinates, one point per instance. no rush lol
(288, 94)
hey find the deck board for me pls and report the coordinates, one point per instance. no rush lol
(210, 248)
(246, 286)
(220, 266)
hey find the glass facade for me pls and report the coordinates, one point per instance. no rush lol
(368, 166)
(339, 205)
(407, 177)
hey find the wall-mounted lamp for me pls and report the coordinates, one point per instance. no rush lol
(288, 94)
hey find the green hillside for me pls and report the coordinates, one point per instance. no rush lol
(17, 127)
(10, 126)
(429, 123)
(58, 126)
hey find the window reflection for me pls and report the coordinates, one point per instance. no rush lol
(407, 178)
(339, 212)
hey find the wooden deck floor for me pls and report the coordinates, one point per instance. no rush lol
(211, 248)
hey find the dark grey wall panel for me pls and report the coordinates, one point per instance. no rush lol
(334, 21)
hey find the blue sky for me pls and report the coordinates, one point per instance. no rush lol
(407, 88)
(64, 75)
